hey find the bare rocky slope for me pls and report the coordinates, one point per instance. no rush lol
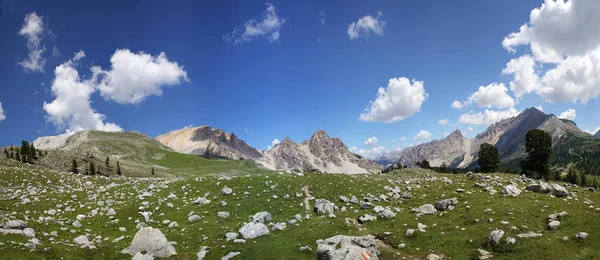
(508, 136)
(320, 154)
(209, 142)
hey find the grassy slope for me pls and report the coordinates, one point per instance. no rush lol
(137, 153)
(528, 209)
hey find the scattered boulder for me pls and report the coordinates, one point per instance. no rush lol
(202, 253)
(83, 241)
(581, 235)
(366, 217)
(223, 214)
(193, 218)
(446, 204)
(226, 191)
(433, 257)
(231, 236)
(426, 209)
(559, 191)
(529, 235)
(511, 189)
(495, 237)
(140, 256)
(386, 213)
(261, 217)
(15, 224)
(541, 187)
(230, 255)
(553, 224)
(484, 255)
(347, 247)
(253, 230)
(323, 206)
(151, 240)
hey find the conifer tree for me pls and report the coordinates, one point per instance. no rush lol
(74, 167)
(119, 169)
(107, 162)
(87, 170)
(6, 153)
(152, 168)
(18, 156)
(32, 153)
(92, 168)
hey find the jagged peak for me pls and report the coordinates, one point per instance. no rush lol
(319, 134)
(456, 133)
(287, 140)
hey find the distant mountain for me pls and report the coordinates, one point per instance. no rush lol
(320, 154)
(208, 142)
(597, 135)
(388, 158)
(508, 136)
(136, 153)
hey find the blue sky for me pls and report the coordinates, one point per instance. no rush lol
(292, 67)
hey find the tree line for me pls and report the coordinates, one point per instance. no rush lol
(27, 153)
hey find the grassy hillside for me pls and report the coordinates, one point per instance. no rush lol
(137, 154)
(456, 234)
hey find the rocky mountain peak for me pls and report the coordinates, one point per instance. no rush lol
(455, 134)
(320, 134)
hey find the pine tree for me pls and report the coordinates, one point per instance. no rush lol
(152, 168)
(488, 157)
(74, 167)
(18, 156)
(92, 168)
(119, 169)
(107, 162)
(6, 153)
(24, 148)
(45, 153)
(87, 170)
(538, 145)
(40, 153)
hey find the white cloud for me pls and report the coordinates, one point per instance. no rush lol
(2, 115)
(423, 135)
(135, 76)
(558, 29)
(526, 79)
(443, 122)
(372, 141)
(71, 109)
(364, 25)
(470, 128)
(593, 132)
(370, 153)
(322, 18)
(576, 79)
(188, 126)
(488, 117)
(569, 114)
(492, 95)
(402, 139)
(273, 143)
(268, 25)
(400, 100)
(457, 104)
(34, 30)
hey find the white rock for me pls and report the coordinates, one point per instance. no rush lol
(151, 240)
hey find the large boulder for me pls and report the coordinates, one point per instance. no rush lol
(541, 187)
(261, 217)
(446, 204)
(151, 240)
(559, 191)
(342, 247)
(511, 189)
(226, 191)
(253, 230)
(386, 213)
(15, 224)
(323, 206)
(426, 209)
(495, 237)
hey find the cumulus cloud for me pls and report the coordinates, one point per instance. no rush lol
(569, 114)
(398, 101)
(268, 25)
(2, 115)
(273, 143)
(135, 76)
(422, 135)
(558, 29)
(369, 153)
(456, 104)
(576, 79)
(525, 79)
(492, 95)
(487, 117)
(34, 30)
(372, 141)
(365, 25)
(443, 122)
(131, 79)
(71, 109)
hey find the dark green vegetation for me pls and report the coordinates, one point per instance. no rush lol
(538, 145)
(488, 158)
(456, 234)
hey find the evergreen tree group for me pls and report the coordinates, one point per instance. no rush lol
(488, 157)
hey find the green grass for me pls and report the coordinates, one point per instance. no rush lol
(528, 209)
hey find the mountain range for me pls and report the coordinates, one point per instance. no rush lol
(508, 136)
